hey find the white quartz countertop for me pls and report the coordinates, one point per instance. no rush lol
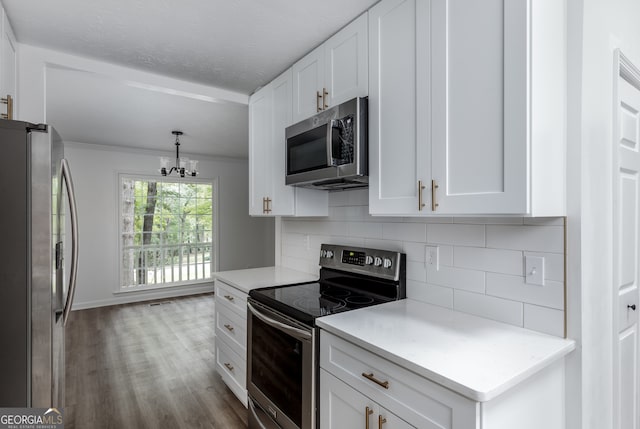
(475, 357)
(254, 278)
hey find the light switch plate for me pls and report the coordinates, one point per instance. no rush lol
(432, 256)
(534, 270)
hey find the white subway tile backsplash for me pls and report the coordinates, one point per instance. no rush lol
(490, 260)
(515, 288)
(431, 294)
(414, 251)
(543, 319)
(459, 235)
(416, 271)
(526, 237)
(365, 229)
(481, 259)
(457, 278)
(348, 212)
(394, 246)
(490, 307)
(404, 231)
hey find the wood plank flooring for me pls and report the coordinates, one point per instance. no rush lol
(147, 366)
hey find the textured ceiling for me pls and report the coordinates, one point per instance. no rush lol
(93, 108)
(232, 44)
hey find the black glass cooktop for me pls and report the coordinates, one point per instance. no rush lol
(304, 302)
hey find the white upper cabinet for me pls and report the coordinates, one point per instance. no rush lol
(8, 64)
(480, 114)
(334, 72)
(269, 115)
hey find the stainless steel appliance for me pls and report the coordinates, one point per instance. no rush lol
(35, 295)
(282, 340)
(329, 150)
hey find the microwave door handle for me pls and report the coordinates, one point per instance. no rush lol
(330, 158)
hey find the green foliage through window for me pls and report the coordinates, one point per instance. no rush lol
(166, 231)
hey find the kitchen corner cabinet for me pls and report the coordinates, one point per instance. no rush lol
(8, 64)
(269, 115)
(359, 389)
(231, 338)
(333, 73)
(467, 107)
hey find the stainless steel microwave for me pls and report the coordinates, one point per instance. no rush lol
(329, 150)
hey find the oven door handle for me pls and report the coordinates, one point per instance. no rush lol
(294, 332)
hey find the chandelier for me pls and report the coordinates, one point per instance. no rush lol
(181, 163)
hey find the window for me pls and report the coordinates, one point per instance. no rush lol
(166, 230)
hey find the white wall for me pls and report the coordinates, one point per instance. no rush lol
(481, 259)
(244, 242)
(597, 27)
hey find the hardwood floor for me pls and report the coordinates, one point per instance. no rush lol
(147, 366)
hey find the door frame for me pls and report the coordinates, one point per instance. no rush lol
(624, 69)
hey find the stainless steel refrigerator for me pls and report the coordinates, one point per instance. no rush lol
(36, 293)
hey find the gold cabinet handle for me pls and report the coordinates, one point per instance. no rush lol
(420, 201)
(325, 95)
(381, 421)
(370, 377)
(8, 100)
(318, 98)
(268, 201)
(229, 327)
(229, 366)
(229, 297)
(368, 411)
(434, 186)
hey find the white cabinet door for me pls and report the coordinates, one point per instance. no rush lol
(269, 115)
(346, 63)
(8, 64)
(399, 140)
(334, 72)
(308, 79)
(260, 132)
(282, 196)
(479, 115)
(341, 407)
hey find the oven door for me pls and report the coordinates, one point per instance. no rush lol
(280, 370)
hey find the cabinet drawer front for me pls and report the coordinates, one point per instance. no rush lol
(418, 400)
(231, 298)
(232, 329)
(231, 367)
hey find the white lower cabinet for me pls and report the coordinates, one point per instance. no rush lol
(359, 389)
(341, 406)
(231, 338)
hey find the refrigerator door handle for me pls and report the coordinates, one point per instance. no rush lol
(66, 175)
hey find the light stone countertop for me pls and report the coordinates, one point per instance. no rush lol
(475, 357)
(254, 278)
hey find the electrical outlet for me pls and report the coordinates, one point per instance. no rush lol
(432, 256)
(307, 242)
(534, 270)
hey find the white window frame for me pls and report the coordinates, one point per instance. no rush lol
(214, 231)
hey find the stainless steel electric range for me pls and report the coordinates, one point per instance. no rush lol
(282, 338)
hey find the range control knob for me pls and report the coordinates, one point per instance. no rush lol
(377, 261)
(387, 263)
(323, 253)
(368, 260)
(329, 254)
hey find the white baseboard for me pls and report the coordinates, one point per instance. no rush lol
(144, 296)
